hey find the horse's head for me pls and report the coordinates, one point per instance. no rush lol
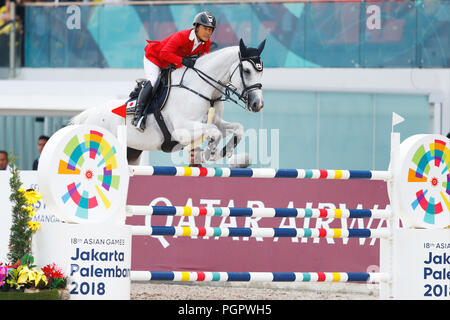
(250, 73)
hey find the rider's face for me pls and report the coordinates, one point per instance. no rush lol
(204, 33)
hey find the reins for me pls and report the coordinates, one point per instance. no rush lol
(228, 89)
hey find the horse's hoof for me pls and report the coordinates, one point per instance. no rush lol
(240, 160)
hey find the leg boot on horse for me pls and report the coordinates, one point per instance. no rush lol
(142, 101)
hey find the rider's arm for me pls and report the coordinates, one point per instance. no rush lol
(167, 52)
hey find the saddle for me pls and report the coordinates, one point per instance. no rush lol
(156, 104)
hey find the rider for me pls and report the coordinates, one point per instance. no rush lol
(178, 49)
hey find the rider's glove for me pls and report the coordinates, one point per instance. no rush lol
(188, 61)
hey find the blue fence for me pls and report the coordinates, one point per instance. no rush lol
(309, 34)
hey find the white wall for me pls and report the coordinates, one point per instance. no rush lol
(68, 91)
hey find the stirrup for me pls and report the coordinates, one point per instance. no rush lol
(135, 121)
(140, 125)
(137, 116)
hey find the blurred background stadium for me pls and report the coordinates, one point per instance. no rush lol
(334, 71)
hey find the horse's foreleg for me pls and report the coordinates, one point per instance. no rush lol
(237, 132)
(213, 136)
(190, 132)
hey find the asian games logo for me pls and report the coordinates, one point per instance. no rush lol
(87, 168)
(429, 175)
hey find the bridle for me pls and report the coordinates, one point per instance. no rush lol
(228, 89)
(258, 66)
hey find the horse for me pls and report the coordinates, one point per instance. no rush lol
(225, 74)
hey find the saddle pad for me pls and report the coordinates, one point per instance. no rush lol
(158, 101)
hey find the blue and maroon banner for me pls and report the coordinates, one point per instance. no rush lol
(256, 254)
(349, 33)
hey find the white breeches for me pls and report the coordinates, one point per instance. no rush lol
(151, 71)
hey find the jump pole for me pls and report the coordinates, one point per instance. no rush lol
(134, 210)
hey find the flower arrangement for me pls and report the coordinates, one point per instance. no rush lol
(24, 275)
(21, 273)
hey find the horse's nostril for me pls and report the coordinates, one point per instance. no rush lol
(256, 106)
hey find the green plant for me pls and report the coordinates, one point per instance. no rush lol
(22, 226)
(51, 294)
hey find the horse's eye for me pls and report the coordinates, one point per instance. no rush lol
(247, 71)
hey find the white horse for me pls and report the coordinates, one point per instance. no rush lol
(233, 70)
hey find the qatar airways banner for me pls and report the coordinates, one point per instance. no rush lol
(240, 253)
(250, 253)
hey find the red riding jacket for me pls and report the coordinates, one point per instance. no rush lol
(173, 48)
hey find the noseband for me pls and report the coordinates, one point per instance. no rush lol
(228, 89)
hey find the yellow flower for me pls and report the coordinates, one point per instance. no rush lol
(38, 277)
(30, 211)
(25, 274)
(33, 225)
(28, 275)
(32, 197)
(22, 190)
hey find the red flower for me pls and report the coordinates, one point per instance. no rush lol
(14, 266)
(51, 271)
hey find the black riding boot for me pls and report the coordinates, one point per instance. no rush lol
(142, 100)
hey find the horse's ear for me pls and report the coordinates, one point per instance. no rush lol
(242, 47)
(261, 47)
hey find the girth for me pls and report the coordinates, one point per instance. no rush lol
(168, 143)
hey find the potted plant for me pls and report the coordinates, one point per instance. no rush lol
(20, 279)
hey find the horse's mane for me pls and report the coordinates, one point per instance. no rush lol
(215, 53)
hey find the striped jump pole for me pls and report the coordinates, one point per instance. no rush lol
(259, 232)
(259, 173)
(257, 212)
(258, 276)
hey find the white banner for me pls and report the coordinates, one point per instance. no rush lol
(96, 258)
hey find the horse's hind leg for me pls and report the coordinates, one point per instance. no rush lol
(133, 156)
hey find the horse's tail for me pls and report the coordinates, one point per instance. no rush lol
(80, 118)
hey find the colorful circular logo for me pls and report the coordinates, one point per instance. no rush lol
(83, 175)
(422, 181)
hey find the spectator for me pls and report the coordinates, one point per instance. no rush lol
(41, 143)
(195, 158)
(3, 160)
(6, 24)
(4, 15)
